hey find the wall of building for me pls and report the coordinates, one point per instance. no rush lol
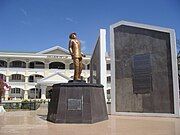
(28, 71)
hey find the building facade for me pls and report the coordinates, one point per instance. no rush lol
(31, 75)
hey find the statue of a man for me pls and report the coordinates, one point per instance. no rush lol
(75, 51)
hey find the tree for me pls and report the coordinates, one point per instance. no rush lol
(2, 90)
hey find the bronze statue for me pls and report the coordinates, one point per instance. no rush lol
(76, 54)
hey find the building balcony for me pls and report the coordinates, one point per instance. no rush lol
(16, 83)
(3, 68)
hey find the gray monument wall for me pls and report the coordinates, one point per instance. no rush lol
(98, 62)
(95, 64)
(143, 73)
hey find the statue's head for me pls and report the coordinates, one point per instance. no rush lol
(72, 35)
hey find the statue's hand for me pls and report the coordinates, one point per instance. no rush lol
(72, 54)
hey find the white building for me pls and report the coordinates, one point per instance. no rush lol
(31, 75)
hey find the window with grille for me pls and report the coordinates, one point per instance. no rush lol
(16, 77)
(16, 91)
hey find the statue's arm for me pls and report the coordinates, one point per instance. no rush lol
(70, 48)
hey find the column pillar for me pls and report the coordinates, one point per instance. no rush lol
(26, 87)
(66, 69)
(67, 65)
(27, 63)
(85, 66)
(25, 95)
(43, 91)
(6, 95)
(7, 79)
(26, 79)
(8, 63)
(46, 71)
(46, 63)
(7, 92)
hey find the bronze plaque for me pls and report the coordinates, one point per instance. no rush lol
(142, 74)
(74, 104)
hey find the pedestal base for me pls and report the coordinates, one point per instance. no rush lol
(77, 103)
(77, 81)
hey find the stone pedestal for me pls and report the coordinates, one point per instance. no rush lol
(77, 102)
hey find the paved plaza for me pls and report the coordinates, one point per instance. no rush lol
(34, 123)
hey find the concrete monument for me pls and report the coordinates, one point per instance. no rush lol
(98, 62)
(144, 70)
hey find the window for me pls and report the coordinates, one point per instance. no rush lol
(108, 91)
(33, 95)
(18, 64)
(15, 90)
(36, 64)
(88, 66)
(56, 65)
(35, 78)
(71, 66)
(108, 66)
(178, 66)
(109, 79)
(3, 63)
(3, 77)
(16, 77)
(33, 90)
(31, 78)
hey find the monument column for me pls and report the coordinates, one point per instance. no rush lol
(43, 91)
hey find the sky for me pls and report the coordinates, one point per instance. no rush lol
(35, 25)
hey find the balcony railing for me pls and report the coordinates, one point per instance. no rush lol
(22, 80)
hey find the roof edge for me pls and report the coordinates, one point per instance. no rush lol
(53, 48)
(142, 25)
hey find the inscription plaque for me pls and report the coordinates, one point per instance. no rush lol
(74, 104)
(142, 75)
